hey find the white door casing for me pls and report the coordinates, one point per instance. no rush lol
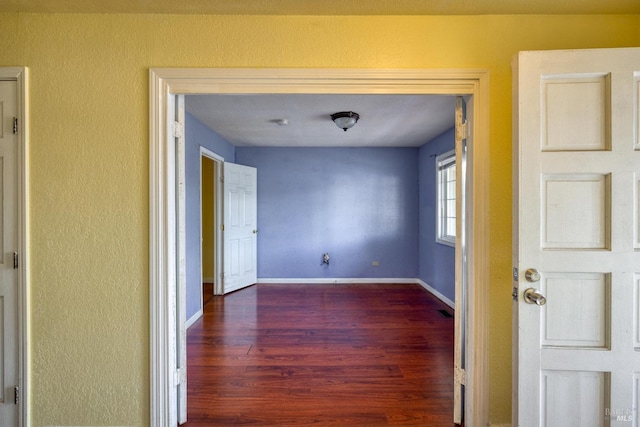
(9, 244)
(14, 307)
(240, 226)
(576, 221)
(181, 267)
(166, 82)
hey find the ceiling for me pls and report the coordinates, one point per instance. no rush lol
(385, 120)
(327, 7)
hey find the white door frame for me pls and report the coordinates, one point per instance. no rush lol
(218, 198)
(166, 82)
(20, 76)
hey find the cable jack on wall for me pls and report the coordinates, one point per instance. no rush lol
(325, 258)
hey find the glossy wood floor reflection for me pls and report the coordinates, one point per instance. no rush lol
(324, 355)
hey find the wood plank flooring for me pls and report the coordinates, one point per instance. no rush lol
(325, 355)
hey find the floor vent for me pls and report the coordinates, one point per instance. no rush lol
(445, 313)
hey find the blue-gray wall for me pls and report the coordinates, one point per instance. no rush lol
(437, 261)
(358, 204)
(197, 135)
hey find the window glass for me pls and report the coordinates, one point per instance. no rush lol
(446, 198)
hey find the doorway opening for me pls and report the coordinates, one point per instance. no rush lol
(165, 83)
(206, 280)
(208, 236)
(210, 208)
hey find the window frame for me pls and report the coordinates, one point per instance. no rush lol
(444, 162)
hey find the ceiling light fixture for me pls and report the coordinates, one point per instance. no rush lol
(345, 119)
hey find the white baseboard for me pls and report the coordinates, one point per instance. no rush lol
(193, 319)
(318, 281)
(437, 294)
(338, 280)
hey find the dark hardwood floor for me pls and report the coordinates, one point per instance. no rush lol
(207, 293)
(326, 355)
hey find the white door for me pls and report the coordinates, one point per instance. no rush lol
(8, 267)
(463, 140)
(181, 255)
(240, 226)
(577, 238)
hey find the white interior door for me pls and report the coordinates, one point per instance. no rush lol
(577, 238)
(463, 140)
(8, 267)
(240, 226)
(181, 256)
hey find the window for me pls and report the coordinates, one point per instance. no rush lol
(446, 198)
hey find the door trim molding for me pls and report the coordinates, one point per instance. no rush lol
(166, 82)
(20, 76)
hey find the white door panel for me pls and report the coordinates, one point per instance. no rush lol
(574, 211)
(8, 245)
(636, 210)
(560, 408)
(576, 203)
(636, 309)
(240, 226)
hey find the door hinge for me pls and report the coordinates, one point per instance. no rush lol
(222, 179)
(177, 376)
(178, 129)
(16, 395)
(15, 260)
(15, 125)
(460, 375)
(222, 227)
(462, 132)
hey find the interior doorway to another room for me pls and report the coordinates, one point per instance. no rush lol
(208, 232)
(210, 238)
(424, 82)
(204, 292)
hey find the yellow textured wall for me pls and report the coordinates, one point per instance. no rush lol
(89, 167)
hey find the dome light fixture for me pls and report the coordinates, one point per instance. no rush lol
(345, 119)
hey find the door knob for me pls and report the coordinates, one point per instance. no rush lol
(532, 275)
(533, 296)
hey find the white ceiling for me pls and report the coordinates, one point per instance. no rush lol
(385, 120)
(327, 7)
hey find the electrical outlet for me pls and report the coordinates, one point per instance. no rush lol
(375, 263)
